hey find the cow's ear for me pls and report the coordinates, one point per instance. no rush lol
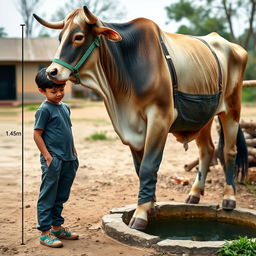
(109, 33)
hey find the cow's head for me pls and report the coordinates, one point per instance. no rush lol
(80, 28)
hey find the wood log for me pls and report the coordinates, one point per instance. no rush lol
(214, 160)
(252, 151)
(249, 83)
(249, 130)
(252, 132)
(251, 177)
(251, 142)
(190, 166)
(247, 135)
(251, 159)
(248, 125)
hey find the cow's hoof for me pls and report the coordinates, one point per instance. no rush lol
(192, 200)
(228, 204)
(138, 223)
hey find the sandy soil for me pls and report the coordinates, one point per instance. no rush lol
(106, 179)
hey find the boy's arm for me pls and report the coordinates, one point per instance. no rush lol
(41, 145)
(75, 152)
(69, 112)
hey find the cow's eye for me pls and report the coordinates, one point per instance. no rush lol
(79, 37)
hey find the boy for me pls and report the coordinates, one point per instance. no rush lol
(59, 163)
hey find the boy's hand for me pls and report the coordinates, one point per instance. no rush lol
(41, 146)
(48, 160)
(75, 152)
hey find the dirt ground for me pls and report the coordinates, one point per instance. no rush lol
(106, 179)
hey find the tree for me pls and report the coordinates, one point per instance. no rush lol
(107, 10)
(205, 16)
(2, 32)
(200, 17)
(197, 18)
(26, 9)
(234, 9)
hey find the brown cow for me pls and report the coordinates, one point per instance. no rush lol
(153, 83)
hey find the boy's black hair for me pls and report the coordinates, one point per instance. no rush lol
(43, 82)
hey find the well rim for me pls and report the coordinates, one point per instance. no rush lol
(115, 225)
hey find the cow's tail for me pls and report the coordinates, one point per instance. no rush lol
(241, 168)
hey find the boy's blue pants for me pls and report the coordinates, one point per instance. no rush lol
(57, 180)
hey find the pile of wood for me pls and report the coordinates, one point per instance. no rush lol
(249, 130)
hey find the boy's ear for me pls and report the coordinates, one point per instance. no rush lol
(41, 90)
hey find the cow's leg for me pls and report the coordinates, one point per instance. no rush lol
(157, 131)
(137, 158)
(206, 150)
(230, 128)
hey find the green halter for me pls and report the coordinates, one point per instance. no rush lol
(75, 68)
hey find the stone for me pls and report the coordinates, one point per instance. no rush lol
(115, 225)
(189, 247)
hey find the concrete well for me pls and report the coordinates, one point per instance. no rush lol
(115, 225)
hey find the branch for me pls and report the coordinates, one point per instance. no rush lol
(250, 29)
(228, 12)
(104, 8)
(26, 8)
(96, 3)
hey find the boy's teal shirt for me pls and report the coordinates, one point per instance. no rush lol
(54, 119)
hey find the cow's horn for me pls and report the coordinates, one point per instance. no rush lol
(90, 18)
(54, 25)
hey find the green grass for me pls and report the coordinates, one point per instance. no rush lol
(98, 136)
(8, 113)
(91, 120)
(31, 106)
(241, 247)
(105, 183)
(249, 95)
(72, 104)
(251, 188)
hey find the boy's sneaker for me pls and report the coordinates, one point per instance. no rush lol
(50, 240)
(64, 233)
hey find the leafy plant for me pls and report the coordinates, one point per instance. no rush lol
(249, 95)
(251, 188)
(2, 32)
(97, 136)
(240, 247)
(31, 106)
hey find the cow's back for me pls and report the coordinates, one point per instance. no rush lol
(196, 66)
(233, 60)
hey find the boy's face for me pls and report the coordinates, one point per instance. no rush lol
(54, 95)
